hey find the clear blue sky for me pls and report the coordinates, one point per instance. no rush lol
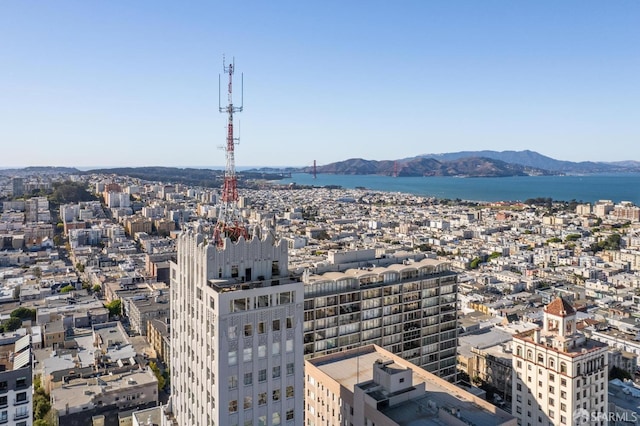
(135, 83)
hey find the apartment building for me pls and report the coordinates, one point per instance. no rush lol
(408, 309)
(236, 333)
(371, 386)
(16, 387)
(560, 376)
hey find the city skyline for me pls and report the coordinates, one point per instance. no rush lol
(120, 84)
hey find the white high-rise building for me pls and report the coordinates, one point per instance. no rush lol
(559, 375)
(236, 334)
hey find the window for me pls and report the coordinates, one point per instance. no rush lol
(529, 354)
(275, 419)
(247, 354)
(3, 401)
(552, 390)
(289, 392)
(233, 381)
(262, 328)
(519, 363)
(233, 406)
(263, 301)
(275, 325)
(3, 386)
(248, 402)
(289, 322)
(289, 345)
(290, 369)
(262, 351)
(262, 421)
(262, 398)
(552, 363)
(552, 377)
(289, 415)
(563, 382)
(248, 378)
(276, 395)
(262, 375)
(233, 332)
(276, 372)
(248, 330)
(21, 382)
(233, 357)
(21, 397)
(519, 351)
(519, 386)
(540, 359)
(275, 348)
(563, 367)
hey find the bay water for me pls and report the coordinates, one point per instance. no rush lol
(584, 188)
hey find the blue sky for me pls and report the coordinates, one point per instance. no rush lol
(135, 83)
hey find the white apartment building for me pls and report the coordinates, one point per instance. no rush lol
(236, 334)
(559, 375)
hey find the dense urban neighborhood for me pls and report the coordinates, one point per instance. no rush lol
(119, 307)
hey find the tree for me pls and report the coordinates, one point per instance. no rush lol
(114, 307)
(97, 288)
(37, 272)
(80, 267)
(24, 314)
(156, 371)
(67, 288)
(11, 324)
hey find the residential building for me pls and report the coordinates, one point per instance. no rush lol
(558, 371)
(16, 386)
(371, 386)
(408, 309)
(236, 332)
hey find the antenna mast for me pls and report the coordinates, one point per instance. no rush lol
(230, 223)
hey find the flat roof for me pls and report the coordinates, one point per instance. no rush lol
(351, 368)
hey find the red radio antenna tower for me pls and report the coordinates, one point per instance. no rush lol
(230, 222)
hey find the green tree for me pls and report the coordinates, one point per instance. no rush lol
(80, 267)
(11, 324)
(97, 288)
(67, 288)
(156, 371)
(24, 313)
(474, 263)
(114, 307)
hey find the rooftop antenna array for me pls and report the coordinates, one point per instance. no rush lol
(230, 222)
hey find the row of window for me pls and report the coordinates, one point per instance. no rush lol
(261, 328)
(276, 395)
(262, 376)
(264, 301)
(247, 353)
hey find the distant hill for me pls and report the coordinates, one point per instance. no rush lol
(533, 159)
(40, 170)
(188, 176)
(422, 166)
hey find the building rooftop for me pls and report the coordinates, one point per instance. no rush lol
(355, 367)
(560, 307)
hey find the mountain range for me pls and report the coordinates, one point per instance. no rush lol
(475, 164)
